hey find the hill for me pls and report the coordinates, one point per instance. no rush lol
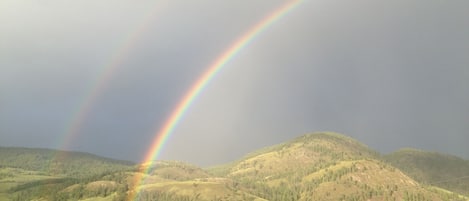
(323, 166)
(175, 180)
(445, 171)
(27, 173)
(317, 166)
(63, 163)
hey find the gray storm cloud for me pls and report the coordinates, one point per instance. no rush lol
(390, 74)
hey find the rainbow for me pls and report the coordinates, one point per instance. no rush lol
(163, 134)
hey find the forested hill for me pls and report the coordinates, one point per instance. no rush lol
(325, 166)
(54, 162)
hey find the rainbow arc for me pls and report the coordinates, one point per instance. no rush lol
(162, 135)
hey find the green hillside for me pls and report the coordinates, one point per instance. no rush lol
(175, 170)
(26, 173)
(445, 171)
(175, 180)
(318, 166)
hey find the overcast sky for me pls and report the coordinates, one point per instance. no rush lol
(390, 74)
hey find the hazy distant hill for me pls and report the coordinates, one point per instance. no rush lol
(175, 170)
(318, 166)
(446, 171)
(53, 162)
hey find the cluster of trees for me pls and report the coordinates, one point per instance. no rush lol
(164, 196)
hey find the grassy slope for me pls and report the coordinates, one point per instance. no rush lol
(312, 151)
(11, 178)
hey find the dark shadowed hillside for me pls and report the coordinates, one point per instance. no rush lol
(445, 171)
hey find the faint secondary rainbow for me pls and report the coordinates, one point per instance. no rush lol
(102, 79)
(181, 108)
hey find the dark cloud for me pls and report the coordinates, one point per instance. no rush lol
(391, 74)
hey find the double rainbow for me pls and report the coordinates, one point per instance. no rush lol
(106, 73)
(164, 133)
